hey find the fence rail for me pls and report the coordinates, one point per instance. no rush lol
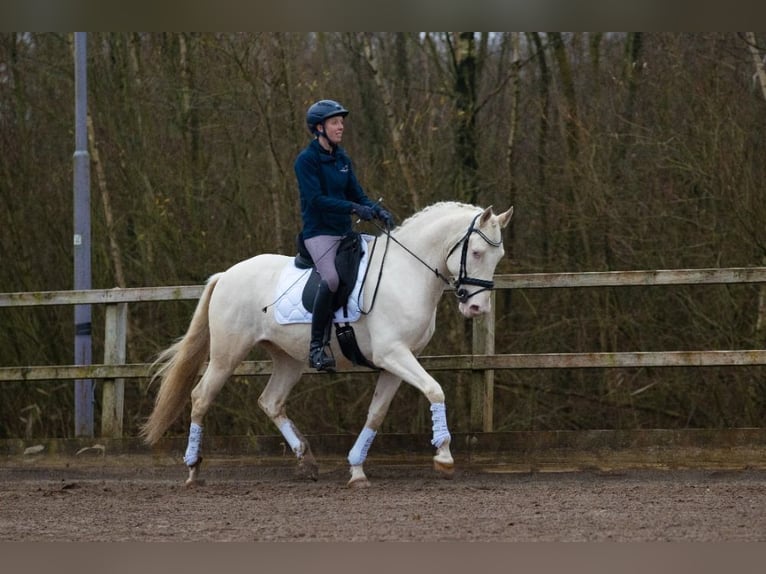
(483, 361)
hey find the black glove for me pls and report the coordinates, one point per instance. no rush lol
(364, 212)
(385, 217)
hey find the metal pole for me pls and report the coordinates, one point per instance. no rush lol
(83, 388)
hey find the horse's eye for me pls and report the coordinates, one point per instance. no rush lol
(476, 254)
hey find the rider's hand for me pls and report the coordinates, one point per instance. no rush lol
(364, 212)
(385, 217)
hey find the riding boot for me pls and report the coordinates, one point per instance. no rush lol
(320, 321)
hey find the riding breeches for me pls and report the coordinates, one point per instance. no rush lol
(323, 249)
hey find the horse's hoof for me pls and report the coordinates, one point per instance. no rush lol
(447, 470)
(193, 473)
(358, 483)
(308, 469)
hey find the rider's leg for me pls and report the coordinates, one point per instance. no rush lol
(323, 249)
(320, 321)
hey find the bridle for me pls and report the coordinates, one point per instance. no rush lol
(462, 279)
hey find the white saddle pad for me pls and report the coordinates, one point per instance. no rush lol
(289, 294)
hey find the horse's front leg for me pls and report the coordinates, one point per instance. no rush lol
(404, 365)
(385, 389)
(443, 461)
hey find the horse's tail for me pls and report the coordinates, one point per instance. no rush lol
(177, 367)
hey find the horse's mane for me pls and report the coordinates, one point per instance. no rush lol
(439, 206)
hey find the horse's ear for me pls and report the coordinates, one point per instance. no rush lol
(485, 216)
(504, 218)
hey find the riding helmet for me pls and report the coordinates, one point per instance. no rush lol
(323, 110)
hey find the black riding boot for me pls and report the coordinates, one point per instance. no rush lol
(320, 321)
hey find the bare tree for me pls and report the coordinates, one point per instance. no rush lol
(392, 121)
(760, 80)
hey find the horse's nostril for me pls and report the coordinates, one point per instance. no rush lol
(475, 309)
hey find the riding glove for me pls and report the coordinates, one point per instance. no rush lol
(385, 217)
(364, 212)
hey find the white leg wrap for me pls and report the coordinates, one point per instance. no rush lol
(358, 453)
(286, 428)
(439, 418)
(192, 448)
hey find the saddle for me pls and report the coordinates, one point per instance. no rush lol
(347, 261)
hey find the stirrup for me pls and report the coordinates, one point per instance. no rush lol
(320, 361)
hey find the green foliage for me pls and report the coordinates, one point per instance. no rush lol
(637, 151)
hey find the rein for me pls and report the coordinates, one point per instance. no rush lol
(380, 271)
(463, 277)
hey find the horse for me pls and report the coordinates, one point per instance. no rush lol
(447, 244)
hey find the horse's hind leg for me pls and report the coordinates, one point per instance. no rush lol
(217, 373)
(286, 372)
(385, 389)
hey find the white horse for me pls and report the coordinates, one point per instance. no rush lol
(446, 244)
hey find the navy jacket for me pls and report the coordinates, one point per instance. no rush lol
(327, 186)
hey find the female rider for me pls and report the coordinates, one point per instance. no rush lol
(330, 194)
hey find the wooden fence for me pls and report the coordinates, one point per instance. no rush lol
(482, 362)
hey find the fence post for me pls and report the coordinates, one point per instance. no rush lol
(483, 383)
(115, 344)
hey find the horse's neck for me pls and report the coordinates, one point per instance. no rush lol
(435, 236)
(431, 241)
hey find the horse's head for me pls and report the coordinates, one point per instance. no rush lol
(472, 261)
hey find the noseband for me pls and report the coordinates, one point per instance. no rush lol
(463, 278)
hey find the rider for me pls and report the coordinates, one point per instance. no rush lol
(330, 194)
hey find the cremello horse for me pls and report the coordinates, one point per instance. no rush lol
(446, 244)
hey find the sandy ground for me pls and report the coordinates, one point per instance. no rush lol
(246, 501)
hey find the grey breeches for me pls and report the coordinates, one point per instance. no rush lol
(322, 249)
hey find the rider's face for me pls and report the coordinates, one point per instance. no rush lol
(333, 129)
